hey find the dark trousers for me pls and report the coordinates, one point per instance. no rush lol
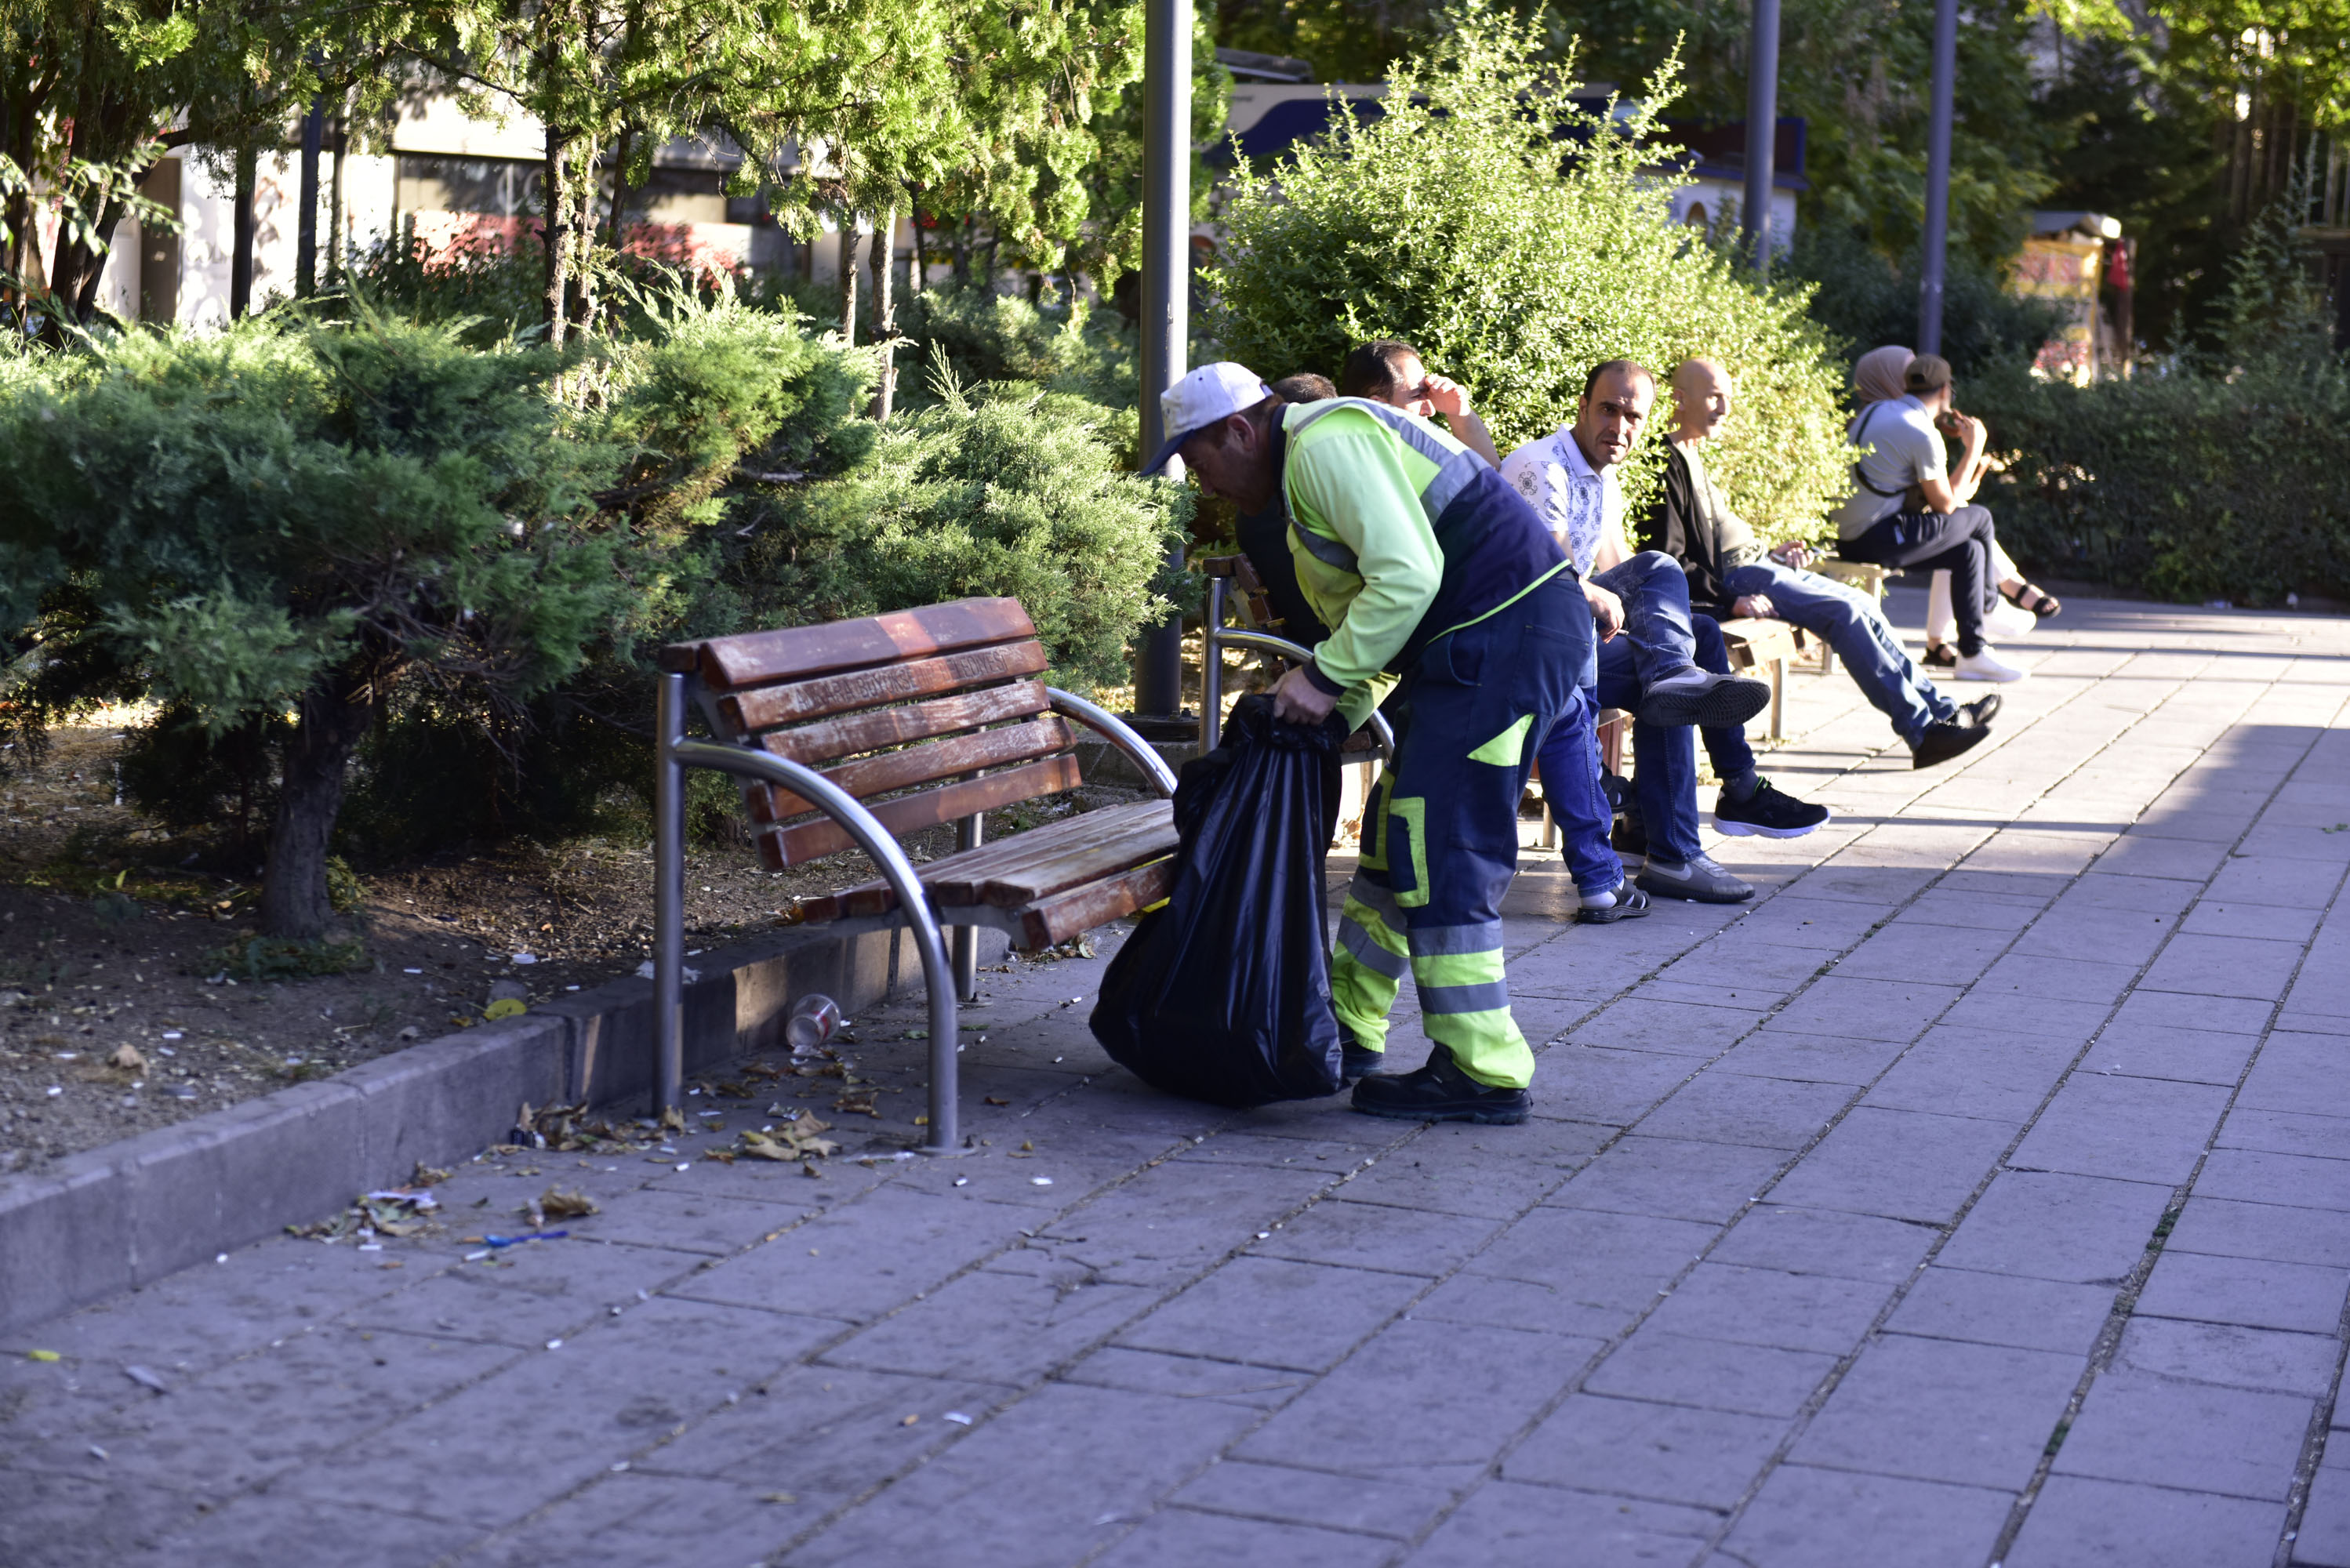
(1956, 542)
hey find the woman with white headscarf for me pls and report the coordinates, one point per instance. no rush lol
(1876, 376)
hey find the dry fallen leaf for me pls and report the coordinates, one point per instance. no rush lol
(427, 1175)
(128, 1058)
(992, 1100)
(562, 1205)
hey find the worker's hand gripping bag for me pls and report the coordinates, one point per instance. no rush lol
(1224, 992)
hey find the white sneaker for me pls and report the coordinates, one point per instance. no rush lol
(1985, 666)
(2006, 620)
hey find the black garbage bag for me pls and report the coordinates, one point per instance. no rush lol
(1224, 992)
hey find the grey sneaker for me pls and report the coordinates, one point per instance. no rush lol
(1708, 701)
(1698, 879)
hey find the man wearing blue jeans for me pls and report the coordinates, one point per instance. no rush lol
(1571, 478)
(1730, 573)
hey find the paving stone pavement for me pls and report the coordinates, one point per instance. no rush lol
(1979, 1194)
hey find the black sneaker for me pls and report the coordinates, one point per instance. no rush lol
(1768, 813)
(1945, 739)
(1358, 1062)
(1630, 905)
(1440, 1091)
(1981, 710)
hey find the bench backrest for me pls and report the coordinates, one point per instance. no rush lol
(932, 697)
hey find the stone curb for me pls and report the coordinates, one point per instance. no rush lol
(107, 1220)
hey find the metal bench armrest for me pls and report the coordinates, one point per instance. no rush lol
(1118, 734)
(676, 754)
(1296, 653)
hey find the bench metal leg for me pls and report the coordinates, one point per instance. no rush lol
(673, 755)
(968, 833)
(668, 898)
(1779, 698)
(1211, 668)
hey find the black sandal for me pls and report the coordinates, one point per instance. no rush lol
(1940, 656)
(2044, 603)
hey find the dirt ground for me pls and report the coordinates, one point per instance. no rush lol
(117, 1014)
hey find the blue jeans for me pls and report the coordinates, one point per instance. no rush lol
(1726, 746)
(1578, 806)
(1655, 591)
(1849, 621)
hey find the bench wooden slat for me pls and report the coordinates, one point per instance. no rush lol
(746, 713)
(1043, 876)
(1146, 826)
(1754, 641)
(1073, 913)
(920, 764)
(782, 847)
(795, 653)
(870, 730)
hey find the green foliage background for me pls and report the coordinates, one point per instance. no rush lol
(1450, 222)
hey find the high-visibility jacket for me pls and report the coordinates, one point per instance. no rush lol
(1400, 534)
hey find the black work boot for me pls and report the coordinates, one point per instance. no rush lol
(1440, 1091)
(1358, 1062)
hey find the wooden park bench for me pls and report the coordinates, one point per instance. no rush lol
(851, 734)
(1756, 644)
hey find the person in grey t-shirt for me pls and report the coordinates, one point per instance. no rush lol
(1732, 574)
(1907, 509)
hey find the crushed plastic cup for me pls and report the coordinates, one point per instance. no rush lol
(812, 1023)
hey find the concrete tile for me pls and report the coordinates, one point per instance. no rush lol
(1672, 1178)
(2286, 1179)
(1736, 962)
(2003, 1309)
(1865, 1009)
(2077, 1522)
(1861, 884)
(1394, 1506)
(2272, 922)
(2226, 1228)
(2325, 1538)
(1274, 1313)
(1170, 1223)
(1468, 1389)
(1673, 1028)
(1770, 1306)
(2281, 1132)
(1508, 1525)
(1036, 1483)
(2136, 1129)
(2032, 977)
(2163, 1050)
(1972, 1073)
(1796, 920)
(1180, 1535)
(1973, 911)
(2162, 856)
(2087, 1229)
(1667, 1453)
(1524, 1304)
(1941, 1409)
(1712, 1374)
(2235, 1357)
(860, 1262)
(1904, 1165)
(1378, 1236)
(1591, 1083)
(2224, 966)
(1825, 1241)
(1810, 1058)
(2254, 1293)
(2302, 1072)
(2158, 1431)
(2290, 880)
(2014, 1012)
(2223, 1015)
(1595, 1258)
(1930, 954)
(1805, 1517)
(1766, 1112)
(1185, 1378)
(265, 1527)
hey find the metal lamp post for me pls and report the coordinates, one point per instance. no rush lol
(1165, 292)
(1937, 178)
(1762, 133)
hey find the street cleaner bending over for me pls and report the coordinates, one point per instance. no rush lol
(1429, 569)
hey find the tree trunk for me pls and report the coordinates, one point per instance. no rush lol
(581, 294)
(885, 312)
(306, 223)
(620, 191)
(962, 254)
(555, 220)
(85, 299)
(293, 887)
(240, 261)
(848, 277)
(918, 266)
(335, 205)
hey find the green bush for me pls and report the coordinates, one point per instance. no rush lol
(1451, 223)
(1005, 489)
(1063, 344)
